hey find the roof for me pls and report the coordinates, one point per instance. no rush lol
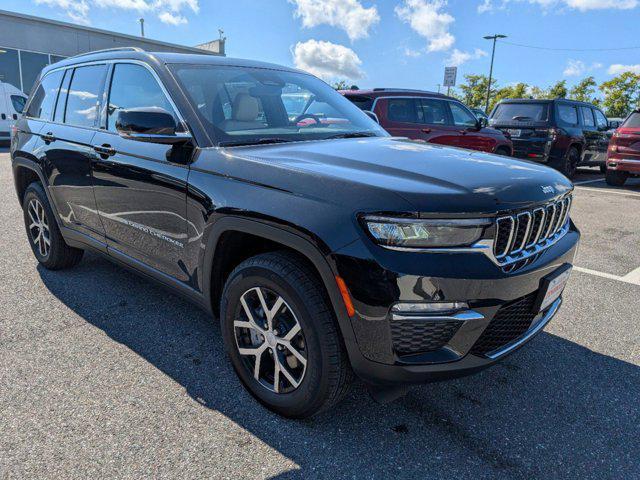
(166, 57)
(394, 92)
(543, 100)
(97, 30)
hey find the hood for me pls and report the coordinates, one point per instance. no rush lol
(386, 174)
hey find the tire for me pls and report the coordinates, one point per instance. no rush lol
(505, 152)
(324, 378)
(43, 233)
(616, 178)
(603, 169)
(569, 164)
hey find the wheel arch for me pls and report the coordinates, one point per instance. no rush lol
(213, 279)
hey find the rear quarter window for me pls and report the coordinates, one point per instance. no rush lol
(44, 97)
(363, 103)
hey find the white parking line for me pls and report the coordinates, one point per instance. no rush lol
(589, 181)
(605, 190)
(633, 278)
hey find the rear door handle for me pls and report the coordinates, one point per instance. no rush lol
(426, 130)
(105, 150)
(48, 137)
(3, 116)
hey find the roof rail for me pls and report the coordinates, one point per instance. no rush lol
(115, 49)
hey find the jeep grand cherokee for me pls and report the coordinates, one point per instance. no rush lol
(324, 248)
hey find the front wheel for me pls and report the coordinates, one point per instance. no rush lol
(280, 333)
(616, 178)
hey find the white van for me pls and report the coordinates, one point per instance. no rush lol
(12, 102)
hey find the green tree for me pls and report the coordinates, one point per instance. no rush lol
(473, 92)
(621, 94)
(559, 90)
(584, 91)
(519, 90)
(341, 85)
(539, 93)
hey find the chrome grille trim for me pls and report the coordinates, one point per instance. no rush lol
(553, 219)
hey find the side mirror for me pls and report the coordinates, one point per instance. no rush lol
(151, 124)
(481, 123)
(372, 116)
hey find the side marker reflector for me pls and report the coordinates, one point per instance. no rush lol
(346, 298)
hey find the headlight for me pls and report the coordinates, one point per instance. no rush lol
(425, 233)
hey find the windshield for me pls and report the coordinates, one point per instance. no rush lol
(521, 112)
(241, 105)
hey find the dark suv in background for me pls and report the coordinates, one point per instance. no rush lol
(563, 134)
(430, 117)
(324, 248)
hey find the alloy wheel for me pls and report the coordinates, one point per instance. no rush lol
(270, 340)
(39, 227)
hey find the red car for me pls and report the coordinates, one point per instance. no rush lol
(430, 117)
(623, 157)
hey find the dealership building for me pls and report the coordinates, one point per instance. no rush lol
(28, 43)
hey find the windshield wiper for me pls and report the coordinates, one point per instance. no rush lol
(352, 135)
(258, 141)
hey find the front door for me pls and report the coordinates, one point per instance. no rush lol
(602, 124)
(591, 135)
(141, 187)
(467, 124)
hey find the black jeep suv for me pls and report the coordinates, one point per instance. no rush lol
(323, 245)
(562, 133)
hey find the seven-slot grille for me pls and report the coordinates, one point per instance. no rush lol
(529, 228)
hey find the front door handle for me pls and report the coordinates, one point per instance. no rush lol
(105, 150)
(48, 137)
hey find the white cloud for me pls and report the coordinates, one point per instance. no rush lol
(582, 5)
(427, 19)
(458, 57)
(575, 68)
(409, 52)
(348, 15)
(327, 60)
(618, 69)
(172, 19)
(169, 11)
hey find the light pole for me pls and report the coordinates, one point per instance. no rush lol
(493, 54)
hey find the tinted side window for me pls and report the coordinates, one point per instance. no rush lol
(83, 97)
(568, 114)
(44, 98)
(587, 117)
(133, 86)
(601, 120)
(402, 110)
(434, 112)
(18, 102)
(461, 116)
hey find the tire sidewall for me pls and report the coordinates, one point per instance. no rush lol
(34, 192)
(313, 384)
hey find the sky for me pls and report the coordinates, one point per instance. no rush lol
(387, 43)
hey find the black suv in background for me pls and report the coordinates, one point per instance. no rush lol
(324, 248)
(563, 134)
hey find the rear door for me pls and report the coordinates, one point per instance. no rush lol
(590, 133)
(67, 150)
(400, 118)
(141, 188)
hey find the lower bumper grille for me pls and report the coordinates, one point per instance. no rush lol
(510, 322)
(420, 336)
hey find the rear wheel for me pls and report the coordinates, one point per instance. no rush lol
(504, 151)
(569, 164)
(280, 333)
(45, 238)
(616, 178)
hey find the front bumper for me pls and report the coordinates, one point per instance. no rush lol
(376, 284)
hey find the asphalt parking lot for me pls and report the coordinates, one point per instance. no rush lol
(103, 374)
